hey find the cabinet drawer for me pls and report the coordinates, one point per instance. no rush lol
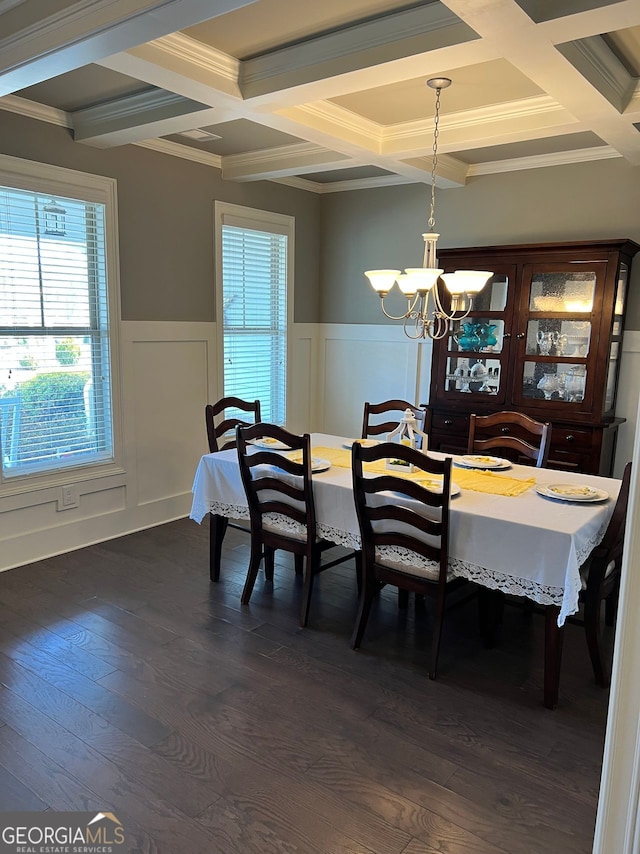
(565, 438)
(454, 424)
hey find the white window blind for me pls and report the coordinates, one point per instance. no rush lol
(55, 383)
(254, 304)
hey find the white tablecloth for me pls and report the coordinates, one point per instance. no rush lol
(525, 545)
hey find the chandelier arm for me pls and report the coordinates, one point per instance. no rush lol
(418, 325)
(407, 314)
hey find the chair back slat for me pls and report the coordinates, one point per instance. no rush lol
(399, 525)
(404, 530)
(382, 428)
(271, 490)
(513, 435)
(217, 429)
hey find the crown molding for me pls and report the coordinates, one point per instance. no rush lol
(513, 111)
(185, 152)
(633, 107)
(33, 110)
(541, 161)
(595, 60)
(390, 139)
(200, 55)
(297, 158)
(154, 113)
(299, 184)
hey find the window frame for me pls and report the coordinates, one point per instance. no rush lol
(58, 181)
(226, 213)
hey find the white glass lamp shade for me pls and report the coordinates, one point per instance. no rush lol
(407, 284)
(382, 280)
(466, 281)
(421, 278)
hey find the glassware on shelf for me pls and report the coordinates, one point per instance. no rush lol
(560, 342)
(548, 384)
(574, 384)
(468, 338)
(545, 342)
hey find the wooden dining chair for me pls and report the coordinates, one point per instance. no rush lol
(282, 510)
(394, 548)
(377, 427)
(221, 436)
(222, 433)
(517, 437)
(600, 575)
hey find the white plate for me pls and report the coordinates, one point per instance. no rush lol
(481, 461)
(269, 444)
(366, 443)
(317, 463)
(572, 492)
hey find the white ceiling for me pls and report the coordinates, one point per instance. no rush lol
(331, 96)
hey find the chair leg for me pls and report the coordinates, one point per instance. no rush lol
(217, 530)
(490, 611)
(252, 573)
(358, 562)
(437, 634)
(312, 564)
(592, 631)
(298, 562)
(366, 600)
(403, 598)
(610, 608)
(269, 563)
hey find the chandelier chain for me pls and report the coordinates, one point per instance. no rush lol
(434, 161)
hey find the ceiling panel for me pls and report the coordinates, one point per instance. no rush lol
(531, 148)
(472, 87)
(355, 173)
(84, 87)
(240, 136)
(269, 24)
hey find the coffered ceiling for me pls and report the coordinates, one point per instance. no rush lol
(331, 96)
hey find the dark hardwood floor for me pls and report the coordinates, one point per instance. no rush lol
(130, 683)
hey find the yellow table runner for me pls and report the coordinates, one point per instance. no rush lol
(478, 481)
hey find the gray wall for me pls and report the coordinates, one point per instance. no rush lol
(166, 221)
(382, 228)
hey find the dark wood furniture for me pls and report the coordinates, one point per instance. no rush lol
(281, 507)
(216, 432)
(490, 433)
(402, 528)
(376, 427)
(221, 436)
(601, 578)
(544, 338)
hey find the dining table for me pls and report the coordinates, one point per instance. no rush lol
(517, 529)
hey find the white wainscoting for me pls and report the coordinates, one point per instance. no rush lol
(169, 374)
(357, 363)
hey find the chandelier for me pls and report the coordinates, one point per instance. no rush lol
(425, 317)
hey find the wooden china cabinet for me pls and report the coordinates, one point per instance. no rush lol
(544, 338)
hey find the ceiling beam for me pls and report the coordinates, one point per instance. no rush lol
(364, 45)
(145, 115)
(85, 31)
(281, 162)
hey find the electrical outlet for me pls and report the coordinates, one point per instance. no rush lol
(69, 497)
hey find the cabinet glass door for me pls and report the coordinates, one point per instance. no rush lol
(477, 345)
(556, 328)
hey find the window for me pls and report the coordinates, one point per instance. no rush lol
(254, 250)
(56, 385)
